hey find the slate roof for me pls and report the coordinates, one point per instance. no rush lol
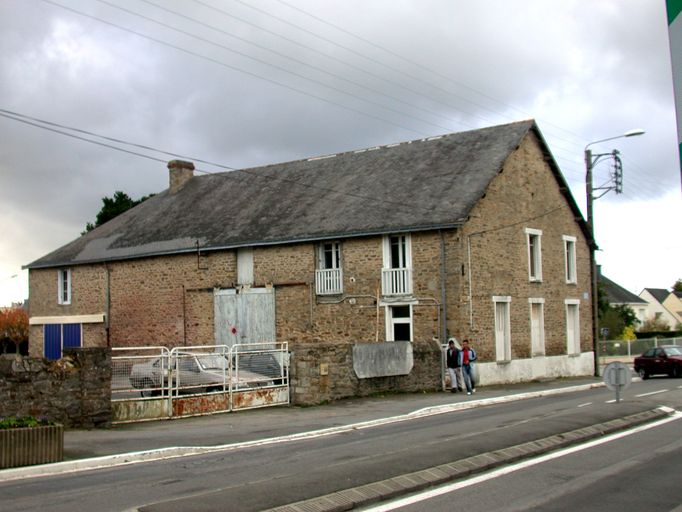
(616, 294)
(660, 294)
(412, 186)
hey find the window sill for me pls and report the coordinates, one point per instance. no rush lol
(503, 362)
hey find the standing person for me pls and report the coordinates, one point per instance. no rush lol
(453, 365)
(466, 358)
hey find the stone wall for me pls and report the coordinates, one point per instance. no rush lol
(74, 391)
(324, 371)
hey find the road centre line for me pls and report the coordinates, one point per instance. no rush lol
(653, 393)
(432, 493)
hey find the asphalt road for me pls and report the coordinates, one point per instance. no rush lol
(637, 472)
(261, 477)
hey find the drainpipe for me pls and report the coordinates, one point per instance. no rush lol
(443, 291)
(107, 305)
(471, 293)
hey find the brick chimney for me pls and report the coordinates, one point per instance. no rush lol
(179, 173)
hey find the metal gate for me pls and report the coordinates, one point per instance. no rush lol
(155, 383)
(244, 316)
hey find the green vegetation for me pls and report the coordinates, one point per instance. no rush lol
(113, 207)
(23, 422)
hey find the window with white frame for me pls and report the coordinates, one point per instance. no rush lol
(537, 326)
(64, 286)
(396, 276)
(570, 259)
(328, 276)
(572, 326)
(399, 323)
(502, 328)
(533, 238)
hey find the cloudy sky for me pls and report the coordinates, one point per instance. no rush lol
(241, 83)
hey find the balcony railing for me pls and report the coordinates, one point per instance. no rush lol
(396, 281)
(329, 281)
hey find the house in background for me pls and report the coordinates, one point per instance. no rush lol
(473, 235)
(664, 305)
(673, 303)
(619, 296)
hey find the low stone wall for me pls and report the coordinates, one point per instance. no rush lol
(324, 371)
(74, 391)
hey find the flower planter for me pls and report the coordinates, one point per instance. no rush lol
(31, 445)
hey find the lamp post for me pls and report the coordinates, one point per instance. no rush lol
(617, 178)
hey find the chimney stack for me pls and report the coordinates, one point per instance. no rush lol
(179, 173)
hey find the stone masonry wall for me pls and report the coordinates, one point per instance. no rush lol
(524, 195)
(324, 371)
(74, 391)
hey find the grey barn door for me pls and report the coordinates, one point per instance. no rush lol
(244, 316)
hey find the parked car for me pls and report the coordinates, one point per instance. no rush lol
(192, 373)
(663, 360)
(265, 363)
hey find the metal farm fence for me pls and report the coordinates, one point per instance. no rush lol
(154, 382)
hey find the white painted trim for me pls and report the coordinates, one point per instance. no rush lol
(501, 298)
(573, 263)
(536, 300)
(535, 255)
(73, 319)
(574, 302)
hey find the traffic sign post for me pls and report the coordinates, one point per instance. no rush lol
(617, 377)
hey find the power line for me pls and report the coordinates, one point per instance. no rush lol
(25, 121)
(409, 61)
(303, 63)
(235, 68)
(279, 178)
(14, 115)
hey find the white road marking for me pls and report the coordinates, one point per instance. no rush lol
(584, 405)
(108, 461)
(411, 500)
(652, 393)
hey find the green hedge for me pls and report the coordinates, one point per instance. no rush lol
(23, 422)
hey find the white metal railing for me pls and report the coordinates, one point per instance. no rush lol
(329, 281)
(150, 373)
(628, 350)
(396, 281)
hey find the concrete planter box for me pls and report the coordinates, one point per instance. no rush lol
(32, 445)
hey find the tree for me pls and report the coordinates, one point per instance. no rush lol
(615, 318)
(677, 287)
(14, 327)
(113, 207)
(654, 325)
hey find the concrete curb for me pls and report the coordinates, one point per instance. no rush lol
(122, 459)
(396, 487)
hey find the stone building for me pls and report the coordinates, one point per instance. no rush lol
(364, 255)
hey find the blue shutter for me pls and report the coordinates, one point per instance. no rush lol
(71, 335)
(53, 341)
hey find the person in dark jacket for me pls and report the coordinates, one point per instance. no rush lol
(453, 364)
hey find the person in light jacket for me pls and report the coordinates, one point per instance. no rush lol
(452, 359)
(466, 358)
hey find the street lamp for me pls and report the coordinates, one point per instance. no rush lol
(617, 184)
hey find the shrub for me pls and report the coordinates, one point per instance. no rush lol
(23, 422)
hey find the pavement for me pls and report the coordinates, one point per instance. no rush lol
(140, 442)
